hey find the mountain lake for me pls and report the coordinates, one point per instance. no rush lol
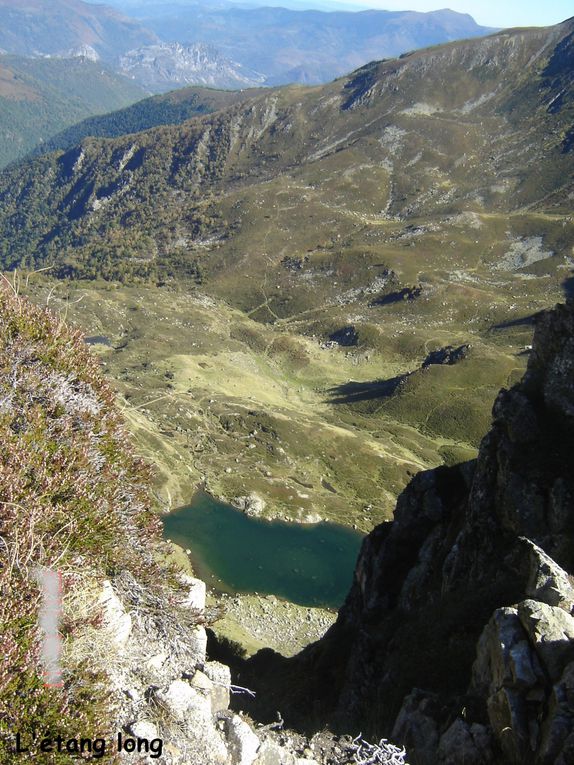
(307, 564)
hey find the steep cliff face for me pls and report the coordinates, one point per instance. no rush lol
(457, 636)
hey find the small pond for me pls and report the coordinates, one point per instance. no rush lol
(97, 340)
(311, 565)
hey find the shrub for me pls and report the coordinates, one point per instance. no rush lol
(73, 497)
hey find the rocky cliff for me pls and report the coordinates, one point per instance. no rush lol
(457, 636)
(165, 66)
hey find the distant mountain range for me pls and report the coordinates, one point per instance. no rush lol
(169, 45)
(165, 66)
(55, 27)
(303, 45)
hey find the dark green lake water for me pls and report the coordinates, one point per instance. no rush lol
(307, 564)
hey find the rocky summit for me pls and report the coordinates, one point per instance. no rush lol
(165, 66)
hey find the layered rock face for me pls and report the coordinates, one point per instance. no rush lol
(458, 637)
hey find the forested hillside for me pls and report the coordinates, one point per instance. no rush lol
(39, 97)
(170, 109)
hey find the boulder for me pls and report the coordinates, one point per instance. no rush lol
(202, 684)
(504, 656)
(156, 662)
(117, 621)
(143, 729)
(197, 644)
(251, 504)
(447, 355)
(243, 744)
(220, 676)
(180, 699)
(468, 744)
(547, 582)
(271, 753)
(195, 597)
(551, 632)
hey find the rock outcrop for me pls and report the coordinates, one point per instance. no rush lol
(457, 637)
(165, 687)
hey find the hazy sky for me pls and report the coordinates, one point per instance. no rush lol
(494, 13)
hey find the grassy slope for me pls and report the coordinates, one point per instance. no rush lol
(72, 497)
(217, 397)
(40, 97)
(300, 212)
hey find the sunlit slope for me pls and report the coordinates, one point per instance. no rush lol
(348, 272)
(480, 126)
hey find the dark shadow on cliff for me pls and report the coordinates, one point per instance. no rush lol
(568, 288)
(434, 646)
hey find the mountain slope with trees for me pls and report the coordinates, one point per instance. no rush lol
(170, 109)
(515, 86)
(39, 97)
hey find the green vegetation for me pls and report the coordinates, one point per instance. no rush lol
(278, 271)
(73, 497)
(169, 109)
(39, 97)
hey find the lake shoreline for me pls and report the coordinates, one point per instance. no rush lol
(309, 565)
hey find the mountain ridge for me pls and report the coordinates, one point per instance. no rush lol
(210, 150)
(251, 46)
(171, 108)
(55, 27)
(329, 44)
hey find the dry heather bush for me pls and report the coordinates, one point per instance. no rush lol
(73, 497)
